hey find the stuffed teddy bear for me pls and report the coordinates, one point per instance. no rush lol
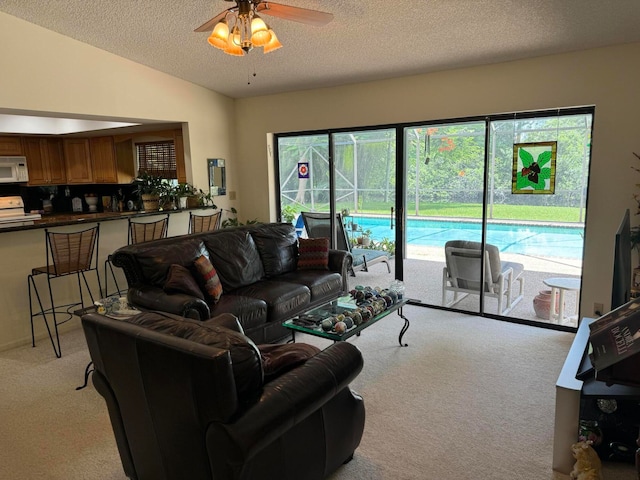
(587, 466)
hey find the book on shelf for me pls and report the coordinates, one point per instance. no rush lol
(615, 336)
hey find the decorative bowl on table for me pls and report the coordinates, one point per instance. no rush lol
(112, 304)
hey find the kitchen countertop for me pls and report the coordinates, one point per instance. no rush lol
(61, 219)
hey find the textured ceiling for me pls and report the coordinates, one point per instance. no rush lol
(367, 39)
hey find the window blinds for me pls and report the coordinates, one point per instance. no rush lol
(157, 158)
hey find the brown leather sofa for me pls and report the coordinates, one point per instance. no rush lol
(257, 267)
(187, 400)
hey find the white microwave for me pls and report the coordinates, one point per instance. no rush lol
(13, 169)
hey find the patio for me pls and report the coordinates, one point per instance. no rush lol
(423, 281)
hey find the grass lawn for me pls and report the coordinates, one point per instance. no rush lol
(500, 211)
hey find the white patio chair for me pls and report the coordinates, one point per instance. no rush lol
(461, 275)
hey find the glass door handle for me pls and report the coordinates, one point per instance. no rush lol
(392, 211)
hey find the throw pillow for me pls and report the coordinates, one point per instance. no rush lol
(313, 254)
(277, 245)
(280, 358)
(211, 286)
(180, 280)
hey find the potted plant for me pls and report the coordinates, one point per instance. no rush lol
(232, 220)
(205, 199)
(149, 187)
(365, 238)
(289, 213)
(182, 192)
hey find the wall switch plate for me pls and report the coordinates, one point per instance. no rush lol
(598, 309)
(232, 195)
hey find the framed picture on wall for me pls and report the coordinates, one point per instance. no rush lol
(534, 167)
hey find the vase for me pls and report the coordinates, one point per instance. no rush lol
(590, 431)
(542, 303)
(150, 202)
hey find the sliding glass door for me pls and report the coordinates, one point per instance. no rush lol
(356, 169)
(445, 192)
(482, 215)
(495, 215)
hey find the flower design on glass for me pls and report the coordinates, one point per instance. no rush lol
(533, 173)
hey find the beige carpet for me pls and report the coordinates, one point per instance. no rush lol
(469, 398)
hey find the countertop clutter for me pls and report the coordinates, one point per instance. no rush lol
(61, 219)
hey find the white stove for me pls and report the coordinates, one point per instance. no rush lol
(12, 213)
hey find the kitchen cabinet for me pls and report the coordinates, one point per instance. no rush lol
(103, 159)
(11, 146)
(77, 156)
(45, 161)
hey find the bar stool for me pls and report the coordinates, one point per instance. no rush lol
(139, 231)
(72, 253)
(204, 223)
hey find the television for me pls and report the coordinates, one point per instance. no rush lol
(621, 287)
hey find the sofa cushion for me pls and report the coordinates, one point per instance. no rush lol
(322, 284)
(246, 361)
(280, 358)
(277, 245)
(180, 280)
(283, 299)
(235, 257)
(313, 254)
(208, 278)
(155, 260)
(250, 312)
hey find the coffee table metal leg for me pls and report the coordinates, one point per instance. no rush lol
(405, 327)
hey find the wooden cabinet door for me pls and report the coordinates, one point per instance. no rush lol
(38, 174)
(55, 160)
(11, 146)
(45, 161)
(77, 156)
(103, 159)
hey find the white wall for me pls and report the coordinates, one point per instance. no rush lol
(44, 72)
(606, 78)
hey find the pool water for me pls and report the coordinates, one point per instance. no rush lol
(532, 240)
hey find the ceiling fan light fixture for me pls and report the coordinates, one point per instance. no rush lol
(232, 48)
(273, 43)
(260, 34)
(220, 35)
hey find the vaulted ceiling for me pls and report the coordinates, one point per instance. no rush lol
(367, 39)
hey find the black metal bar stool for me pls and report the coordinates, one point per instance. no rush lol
(72, 253)
(139, 231)
(204, 223)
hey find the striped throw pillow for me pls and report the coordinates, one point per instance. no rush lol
(313, 254)
(211, 285)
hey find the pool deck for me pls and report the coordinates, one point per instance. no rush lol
(423, 280)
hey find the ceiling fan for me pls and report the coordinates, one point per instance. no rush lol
(238, 29)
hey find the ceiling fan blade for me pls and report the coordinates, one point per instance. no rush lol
(297, 14)
(205, 27)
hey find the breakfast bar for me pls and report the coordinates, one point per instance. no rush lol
(23, 249)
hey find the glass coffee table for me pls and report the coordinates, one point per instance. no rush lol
(311, 322)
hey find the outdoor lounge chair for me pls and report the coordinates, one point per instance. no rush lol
(461, 275)
(318, 225)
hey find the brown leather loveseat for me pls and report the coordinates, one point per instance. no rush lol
(190, 400)
(256, 265)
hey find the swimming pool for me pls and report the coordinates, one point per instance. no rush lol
(523, 239)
